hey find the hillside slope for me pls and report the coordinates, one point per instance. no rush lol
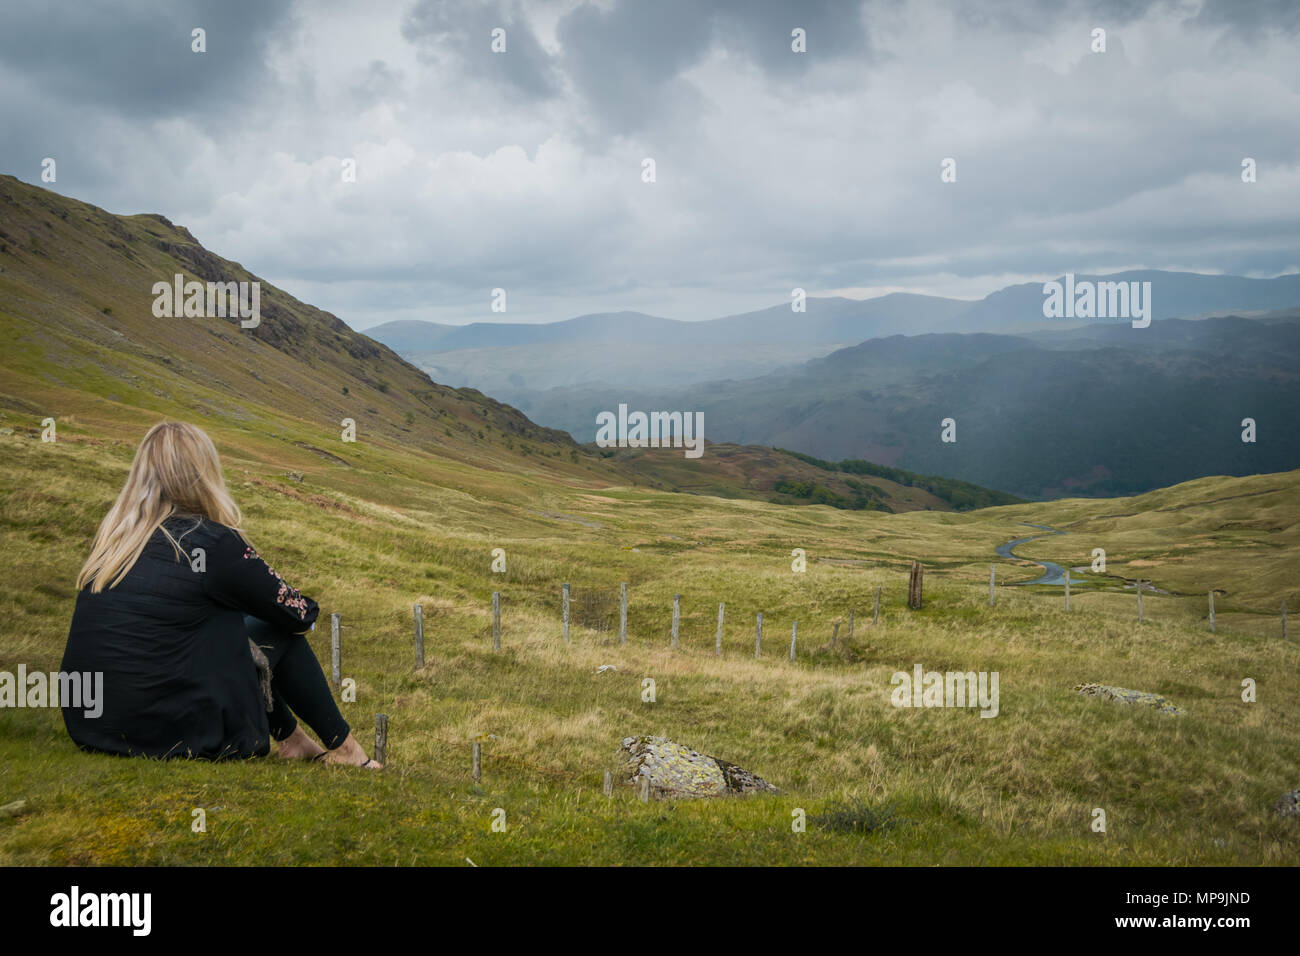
(82, 345)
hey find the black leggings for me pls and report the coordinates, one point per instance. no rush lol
(297, 682)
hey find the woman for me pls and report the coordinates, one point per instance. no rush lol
(176, 609)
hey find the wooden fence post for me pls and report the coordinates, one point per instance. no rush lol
(993, 573)
(835, 632)
(717, 643)
(476, 770)
(564, 610)
(419, 638)
(850, 634)
(1284, 619)
(381, 738)
(875, 614)
(336, 651)
(794, 635)
(609, 784)
(622, 613)
(1067, 589)
(677, 617)
(1139, 590)
(1211, 610)
(645, 789)
(758, 636)
(496, 620)
(914, 583)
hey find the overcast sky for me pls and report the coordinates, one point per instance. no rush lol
(775, 169)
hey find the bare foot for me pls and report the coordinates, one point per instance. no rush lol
(350, 754)
(298, 746)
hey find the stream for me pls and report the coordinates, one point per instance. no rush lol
(1052, 573)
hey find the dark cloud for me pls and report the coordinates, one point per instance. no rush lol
(135, 58)
(458, 34)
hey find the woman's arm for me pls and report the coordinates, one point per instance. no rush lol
(237, 577)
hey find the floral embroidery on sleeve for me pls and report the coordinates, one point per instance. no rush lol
(288, 595)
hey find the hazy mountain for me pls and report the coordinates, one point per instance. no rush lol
(513, 361)
(1103, 410)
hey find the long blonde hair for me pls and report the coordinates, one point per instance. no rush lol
(176, 471)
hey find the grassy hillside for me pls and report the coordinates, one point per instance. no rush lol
(83, 346)
(403, 517)
(369, 541)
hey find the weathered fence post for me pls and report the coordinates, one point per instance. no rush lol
(609, 784)
(717, 642)
(1211, 611)
(914, 581)
(1067, 589)
(794, 635)
(381, 738)
(622, 613)
(476, 769)
(336, 651)
(1284, 620)
(835, 632)
(850, 634)
(993, 573)
(645, 789)
(564, 610)
(875, 614)
(496, 620)
(677, 617)
(1139, 590)
(419, 637)
(758, 636)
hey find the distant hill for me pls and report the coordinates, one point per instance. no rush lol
(515, 361)
(1104, 410)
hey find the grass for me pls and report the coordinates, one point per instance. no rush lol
(371, 539)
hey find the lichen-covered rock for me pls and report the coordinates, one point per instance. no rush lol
(677, 771)
(1288, 805)
(1122, 695)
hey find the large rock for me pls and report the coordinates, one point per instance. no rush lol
(678, 771)
(1122, 695)
(1288, 805)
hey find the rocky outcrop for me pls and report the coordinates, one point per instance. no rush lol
(677, 771)
(1288, 805)
(1123, 695)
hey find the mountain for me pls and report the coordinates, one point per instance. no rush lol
(1103, 410)
(83, 345)
(517, 361)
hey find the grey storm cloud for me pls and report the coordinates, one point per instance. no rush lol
(774, 168)
(135, 58)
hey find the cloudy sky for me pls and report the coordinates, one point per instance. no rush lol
(774, 169)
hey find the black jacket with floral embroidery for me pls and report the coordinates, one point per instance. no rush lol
(170, 642)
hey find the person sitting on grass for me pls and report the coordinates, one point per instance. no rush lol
(200, 642)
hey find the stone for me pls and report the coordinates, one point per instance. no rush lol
(1123, 695)
(674, 770)
(1288, 805)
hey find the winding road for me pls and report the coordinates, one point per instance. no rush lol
(1052, 573)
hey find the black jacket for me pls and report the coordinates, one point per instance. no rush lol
(171, 644)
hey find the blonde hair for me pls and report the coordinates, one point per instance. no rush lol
(176, 471)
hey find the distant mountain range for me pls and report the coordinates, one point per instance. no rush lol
(514, 361)
(1102, 410)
